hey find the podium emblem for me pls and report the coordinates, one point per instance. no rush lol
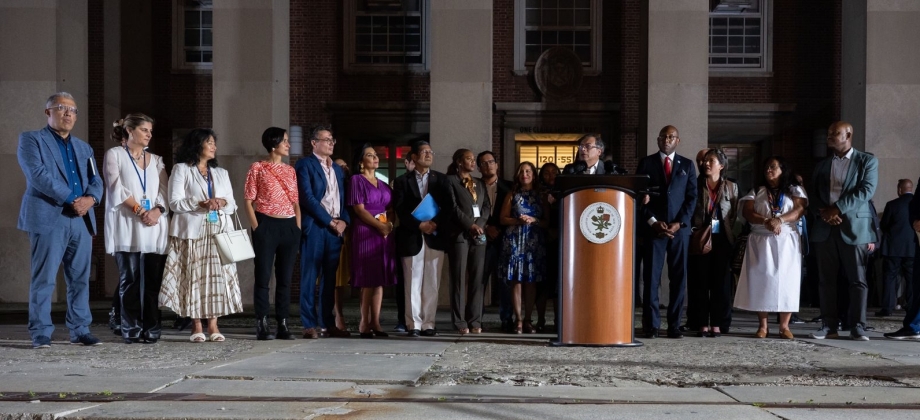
(600, 223)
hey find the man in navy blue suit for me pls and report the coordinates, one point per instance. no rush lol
(897, 247)
(911, 329)
(665, 222)
(62, 187)
(321, 185)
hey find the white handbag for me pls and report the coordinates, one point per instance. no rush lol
(234, 245)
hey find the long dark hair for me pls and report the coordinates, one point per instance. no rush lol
(189, 152)
(786, 178)
(535, 184)
(546, 166)
(454, 167)
(358, 157)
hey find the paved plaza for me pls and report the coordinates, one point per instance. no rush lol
(492, 375)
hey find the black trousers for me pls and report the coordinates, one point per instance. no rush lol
(709, 286)
(659, 251)
(274, 241)
(894, 267)
(467, 288)
(139, 279)
(835, 258)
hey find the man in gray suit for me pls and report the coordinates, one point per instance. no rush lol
(62, 187)
(842, 186)
(897, 247)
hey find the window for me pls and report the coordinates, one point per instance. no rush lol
(561, 154)
(391, 161)
(193, 45)
(743, 164)
(739, 36)
(386, 35)
(544, 24)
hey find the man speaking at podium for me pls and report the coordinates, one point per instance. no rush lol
(590, 151)
(665, 222)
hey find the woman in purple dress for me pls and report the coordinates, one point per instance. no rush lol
(373, 251)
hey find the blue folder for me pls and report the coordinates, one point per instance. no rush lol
(426, 210)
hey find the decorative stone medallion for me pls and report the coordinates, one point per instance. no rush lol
(600, 223)
(558, 73)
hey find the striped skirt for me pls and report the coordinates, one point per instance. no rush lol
(195, 284)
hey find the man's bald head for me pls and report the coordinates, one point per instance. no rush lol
(905, 186)
(840, 137)
(668, 139)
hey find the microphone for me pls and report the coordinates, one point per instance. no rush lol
(575, 168)
(613, 168)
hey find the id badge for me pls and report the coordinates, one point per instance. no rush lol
(212, 216)
(145, 203)
(476, 212)
(715, 226)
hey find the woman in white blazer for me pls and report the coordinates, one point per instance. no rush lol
(196, 284)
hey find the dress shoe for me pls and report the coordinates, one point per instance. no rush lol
(115, 321)
(86, 340)
(263, 330)
(413, 333)
(906, 333)
(650, 334)
(368, 334)
(284, 333)
(476, 330)
(338, 333)
(431, 332)
(131, 340)
(883, 313)
(378, 333)
(675, 334)
(702, 333)
(182, 323)
(714, 333)
(786, 334)
(310, 333)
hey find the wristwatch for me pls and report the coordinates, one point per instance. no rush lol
(162, 208)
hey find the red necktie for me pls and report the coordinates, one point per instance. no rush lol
(667, 169)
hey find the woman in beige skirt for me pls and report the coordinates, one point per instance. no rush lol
(195, 283)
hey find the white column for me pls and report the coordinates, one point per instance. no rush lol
(251, 80)
(43, 50)
(880, 89)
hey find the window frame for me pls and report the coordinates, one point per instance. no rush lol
(350, 66)
(178, 54)
(766, 43)
(520, 34)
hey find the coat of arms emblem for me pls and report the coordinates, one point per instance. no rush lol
(600, 223)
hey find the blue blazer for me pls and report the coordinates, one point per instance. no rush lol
(46, 181)
(858, 188)
(675, 201)
(311, 187)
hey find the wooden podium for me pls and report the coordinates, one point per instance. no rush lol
(597, 232)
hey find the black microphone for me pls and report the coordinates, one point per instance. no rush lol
(613, 168)
(575, 168)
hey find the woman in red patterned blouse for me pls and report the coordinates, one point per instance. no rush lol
(274, 214)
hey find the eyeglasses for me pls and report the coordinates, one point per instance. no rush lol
(62, 109)
(669, 137)
(329, 140)
(588, 146)
(426, 152)
(487, 163)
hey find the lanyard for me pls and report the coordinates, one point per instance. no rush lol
(210, 184)
(776, 203)
(714, 197)
(143, 180)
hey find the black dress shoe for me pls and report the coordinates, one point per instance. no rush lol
(380, 334)
(675, 334)
(182, 323)
(883, 313)
(650, 334)
(431, 332)
(263, 330)
(132, 340)
(284, 333)
(366, 335)
(413, 333)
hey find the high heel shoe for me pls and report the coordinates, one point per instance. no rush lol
(284, 333)
(528, 327)
(263, 330)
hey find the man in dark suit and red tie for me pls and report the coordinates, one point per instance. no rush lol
(665, 222)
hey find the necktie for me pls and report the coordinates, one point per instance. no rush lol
(468, 183)
(667, 169)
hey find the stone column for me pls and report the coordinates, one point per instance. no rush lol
(461, 83)
(880, 86)
(675, 73)
(251, 79)
(43, 50)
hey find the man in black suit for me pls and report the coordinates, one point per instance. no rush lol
(418, 243)
(898, 247)
(665, 223)
(911, 328)
(497, 189)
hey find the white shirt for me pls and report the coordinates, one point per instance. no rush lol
(422, 180)
(330, 201)
(653, 220)
(593, 168)
(839, 168)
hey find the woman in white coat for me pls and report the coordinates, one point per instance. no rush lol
(196, 284)
(136, 225)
